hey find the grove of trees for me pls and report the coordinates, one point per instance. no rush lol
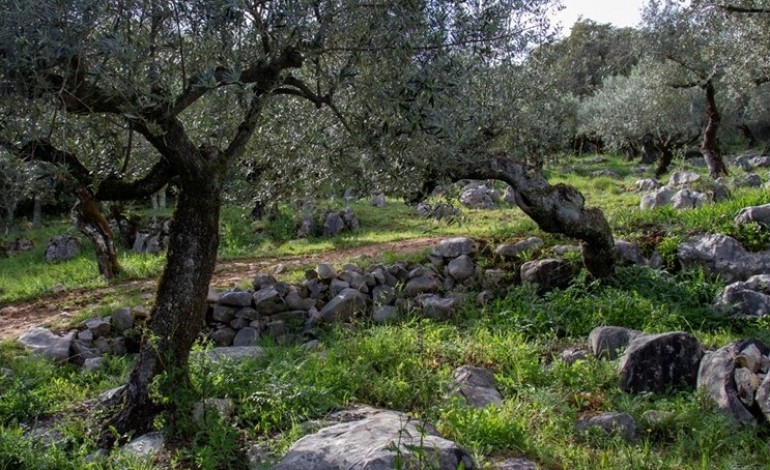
(123, 97)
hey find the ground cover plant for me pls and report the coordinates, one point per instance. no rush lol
(407, 365)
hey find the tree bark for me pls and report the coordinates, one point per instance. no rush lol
(180, 307)
(91, 222)
(556, 209)
(710, 146)
(666, 156)
(648, 150)
(37, 212)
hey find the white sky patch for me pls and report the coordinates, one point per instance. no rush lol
(620, 13)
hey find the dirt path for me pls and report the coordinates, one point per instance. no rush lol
(57, 308)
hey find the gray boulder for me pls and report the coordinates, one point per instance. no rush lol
(660, 363)
(382, 440)
(612, 423)
(349, 219)
(751, 180)
(43, 342)
(344, 306)
(222, 337)
(514, 250)
(425, 283)
(438, 308)
(122, 319)
(306, 226)
(661, 197)
(333, 224)
(758, 214)
(378, 200)
(236, 298)
(477, 386)
(608, 341)
(478, 197)
(268, 301)
(145, 446)
(683, 178)
(648, 184)
(548, 274)
(688, 199)
(722, 255)
(627, 253)
(454, 247)
(461, 268)
(762, 161)
(749, 299)
(246, 337)
(716, 376)
(61, 248)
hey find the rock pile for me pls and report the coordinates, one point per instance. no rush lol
(680, 192)
(478, 195)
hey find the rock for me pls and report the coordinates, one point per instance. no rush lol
(333, 224)
(683, 178)
(355, 280)
(122, 319)
(422, 284)
(571, 356)
(763, 397)
(223, 408)
(62, 248)
(246, 313)
(306, 227)
(263, 280)
(477, 386)
(627, 253)
(660, 363)
(246, 337)
(350, 220)
(510, 195)
(337, 286)
(268, 301)
(613, 423)
(548, 274)
(375, 442)
(378, 200)
(384, 314)
(514, 464)
(746, 384)
(43, 342)
(93, 364)
(661, 197)
(326, 272)
(145, 446)
(98, 327)
(80, 352)
(747, 181)
(461, 268)
(607, 341)
(748, 299)
(454, 247)
(478, 197)
(531, 244)
(716, 376)
(436, 307)
(647, 185)
(762, 161)
(344, 306)
(236, 298)
(383, 295)
(751, 358)
(222, 314)
(758, 214)
(232, 354)
(688, 199)
(722, 255)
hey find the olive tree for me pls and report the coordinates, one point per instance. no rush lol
(194, 80)
(642, 109)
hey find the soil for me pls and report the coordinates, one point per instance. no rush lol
(56, 309)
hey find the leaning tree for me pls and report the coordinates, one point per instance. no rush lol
(195, 81)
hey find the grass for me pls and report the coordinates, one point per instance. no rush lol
(407, 366)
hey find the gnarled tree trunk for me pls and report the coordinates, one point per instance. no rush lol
(180, 307)
(555, 208)
(92, 223)
(710, 146)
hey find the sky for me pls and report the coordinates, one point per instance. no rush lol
(618, 12)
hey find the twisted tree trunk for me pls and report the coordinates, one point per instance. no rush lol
(710, 145)
(179, 312)
(91, 222)
(555, 208)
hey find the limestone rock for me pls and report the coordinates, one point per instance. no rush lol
(758, 214)
(61, 248)
(477, 386)
(661, 197)
(749, 299)
(461, 268)
(607, 341)
(425, 283)
(374, 443)
(612, 423)
(716, 376)
(688, 199)
(660, 363)
(43, 342)
(548, 274)
(627, 253)
(145, 446)
(344, 306)
(513, 250)
(454, 247)
(236, 298)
